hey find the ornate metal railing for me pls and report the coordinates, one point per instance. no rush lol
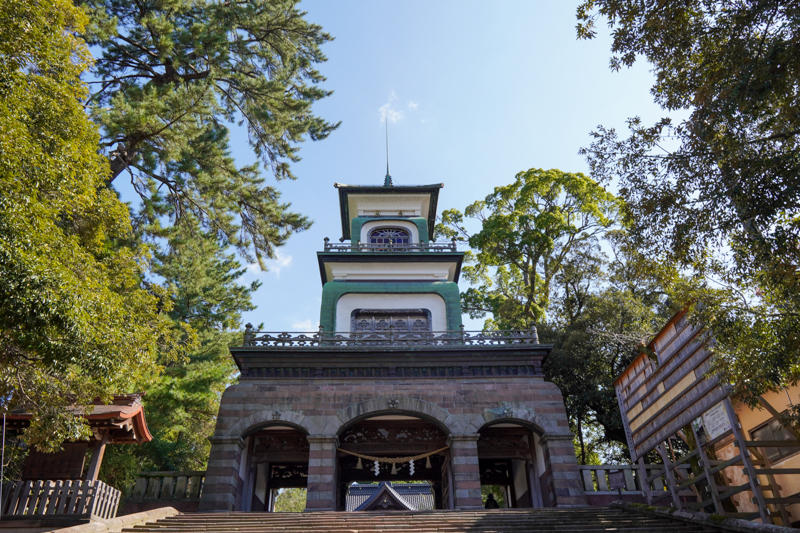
(388, 337)
(389, 247)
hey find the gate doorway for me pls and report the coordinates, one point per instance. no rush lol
(507, 459)
(278, 459)
(391, 437)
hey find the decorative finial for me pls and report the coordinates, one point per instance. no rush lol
(387, 182)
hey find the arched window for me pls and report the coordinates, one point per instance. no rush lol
(390, 236)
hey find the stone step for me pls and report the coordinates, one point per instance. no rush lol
(410, 523)
(583, 520)
(471, 527)
(486, 528)
(413, 525)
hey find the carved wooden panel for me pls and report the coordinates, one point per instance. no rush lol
(282, 445)
(505, 443)
(286, 475)
(405, 437)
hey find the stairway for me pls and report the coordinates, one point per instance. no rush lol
(494, 521)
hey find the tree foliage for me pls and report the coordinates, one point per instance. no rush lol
(173, 74)
(182, 403)
(603, 310)
(540, 258)
(75, 320)
(291, 501)
(91, 304)
(718, 192)
(530, 231)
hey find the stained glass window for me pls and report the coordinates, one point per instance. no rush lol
(389, 236)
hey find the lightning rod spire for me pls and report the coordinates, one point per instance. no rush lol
(387, 182)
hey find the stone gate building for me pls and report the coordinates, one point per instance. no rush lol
(391, 387)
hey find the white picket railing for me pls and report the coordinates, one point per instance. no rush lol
(42, 498)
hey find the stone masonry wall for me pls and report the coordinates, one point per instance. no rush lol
(322, 408)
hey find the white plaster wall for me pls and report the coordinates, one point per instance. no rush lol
(390, 271)
(388, 204)
(352, 301)
(410, 226)
(539, 450)
(520, 474)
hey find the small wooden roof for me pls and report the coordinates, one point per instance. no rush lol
(122, 420)
(386, 499)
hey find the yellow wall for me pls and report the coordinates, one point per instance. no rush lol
(752, 418)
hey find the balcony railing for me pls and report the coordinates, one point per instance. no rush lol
(389, 247)
(388, 337)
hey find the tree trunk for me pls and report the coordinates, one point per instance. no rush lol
(119, 161)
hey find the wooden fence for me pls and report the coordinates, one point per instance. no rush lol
(74, 498)
(179, 486)
(674, 405)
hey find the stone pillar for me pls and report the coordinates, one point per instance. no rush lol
(223, 484)
(567, 488)
(466, 474)
(321, 494)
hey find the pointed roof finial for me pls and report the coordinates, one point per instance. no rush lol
(387, 182)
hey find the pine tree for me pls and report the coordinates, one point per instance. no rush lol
(181, 404)
(172, 75)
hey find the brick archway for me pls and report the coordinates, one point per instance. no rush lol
(386, 427)
(265, 417)
(394, 405)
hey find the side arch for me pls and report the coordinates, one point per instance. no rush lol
(266, 417)
(522, 415)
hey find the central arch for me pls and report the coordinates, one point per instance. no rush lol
(390, 404)
(372, 441)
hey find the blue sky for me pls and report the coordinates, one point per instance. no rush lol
(475, 92)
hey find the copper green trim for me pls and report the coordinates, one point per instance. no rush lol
(358, 222)
(333, 290)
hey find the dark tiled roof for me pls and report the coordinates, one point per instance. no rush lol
(417, 495)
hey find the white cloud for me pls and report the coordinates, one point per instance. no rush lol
(303, 325)
(278, 263)
(275, 265)
(389, 110)
(412, 105)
